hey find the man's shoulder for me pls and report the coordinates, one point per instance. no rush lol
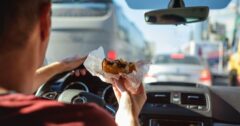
(18, 108)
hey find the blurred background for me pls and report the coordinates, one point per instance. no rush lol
(206, 53)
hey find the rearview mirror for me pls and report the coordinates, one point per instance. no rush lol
(177, 16)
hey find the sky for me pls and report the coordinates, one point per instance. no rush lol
(165, 38)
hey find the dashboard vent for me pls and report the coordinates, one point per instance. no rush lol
(159, 98)
(193, 99)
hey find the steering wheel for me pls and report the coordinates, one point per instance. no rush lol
(72, 96)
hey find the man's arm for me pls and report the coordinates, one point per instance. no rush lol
(130, 105)
(125, 115)
(45, 73)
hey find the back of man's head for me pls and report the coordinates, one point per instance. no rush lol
(18, 18)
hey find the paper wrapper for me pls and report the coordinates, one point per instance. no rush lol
(93, 64)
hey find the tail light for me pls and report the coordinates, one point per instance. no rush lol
(177, 56)
(205, 75)
(112, 55)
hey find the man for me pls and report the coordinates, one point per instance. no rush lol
(24, 33)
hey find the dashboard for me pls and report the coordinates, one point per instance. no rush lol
(194, 105)
(168, 103)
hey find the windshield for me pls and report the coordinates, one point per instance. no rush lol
(80, 26)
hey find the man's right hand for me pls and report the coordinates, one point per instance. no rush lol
(130, 105)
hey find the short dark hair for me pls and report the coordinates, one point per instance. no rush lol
(17, 19)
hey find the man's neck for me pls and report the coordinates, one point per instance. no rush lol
(16, 72)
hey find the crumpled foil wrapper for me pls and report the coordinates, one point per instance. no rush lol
(93, 64)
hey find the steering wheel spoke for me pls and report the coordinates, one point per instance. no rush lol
(75, 96)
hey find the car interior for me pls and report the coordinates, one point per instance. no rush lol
(170, 103)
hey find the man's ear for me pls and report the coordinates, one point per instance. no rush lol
(45, 21)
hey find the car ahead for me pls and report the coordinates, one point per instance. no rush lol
(178, 68)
